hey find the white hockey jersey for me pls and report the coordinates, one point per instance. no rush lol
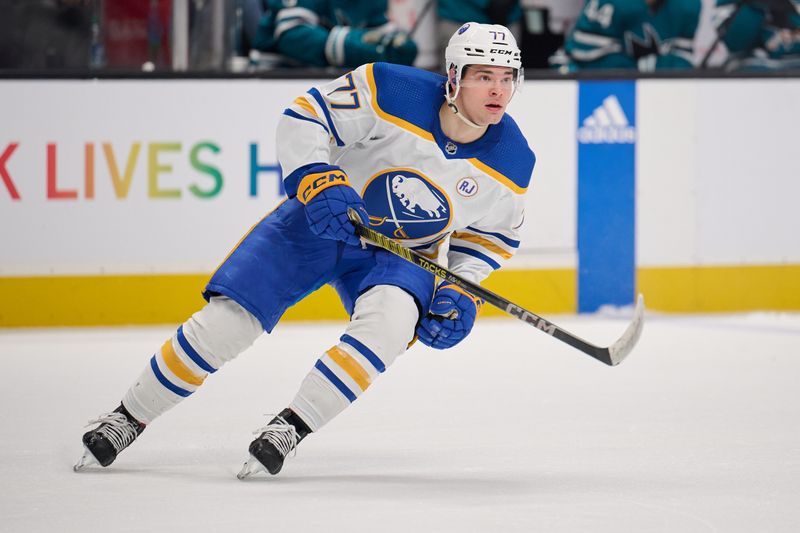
(380, 124)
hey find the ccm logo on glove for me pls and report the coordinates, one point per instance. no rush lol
(313, 184)
(327, 196)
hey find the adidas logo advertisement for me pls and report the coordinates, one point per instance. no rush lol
(607, 193)
(607, 124)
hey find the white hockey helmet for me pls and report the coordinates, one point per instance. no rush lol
(481, 44)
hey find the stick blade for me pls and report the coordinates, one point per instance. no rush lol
(620, 349)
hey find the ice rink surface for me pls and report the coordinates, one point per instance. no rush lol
(698, 430)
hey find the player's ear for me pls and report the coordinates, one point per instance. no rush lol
(451, 77)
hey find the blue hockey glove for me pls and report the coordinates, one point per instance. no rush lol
(451, 317)
(327, 195)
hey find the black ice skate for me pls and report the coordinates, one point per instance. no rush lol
(115, 433)
(276, 440)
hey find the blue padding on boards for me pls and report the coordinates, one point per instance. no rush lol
(606, 194)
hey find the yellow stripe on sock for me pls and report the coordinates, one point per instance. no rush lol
(351, 366)
(178, 367)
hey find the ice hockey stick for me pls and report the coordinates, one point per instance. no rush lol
(612, 355)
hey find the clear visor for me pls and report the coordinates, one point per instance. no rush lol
(489, 83)
(475, 77)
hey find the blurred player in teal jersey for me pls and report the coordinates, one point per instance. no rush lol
(760, 34)
(339, 33)
(631, 34)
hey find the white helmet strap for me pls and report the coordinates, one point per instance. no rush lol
(451, 102)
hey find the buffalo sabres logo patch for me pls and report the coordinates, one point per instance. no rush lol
(405, 204)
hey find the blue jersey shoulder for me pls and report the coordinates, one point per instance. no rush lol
(409, 93)
(511, 156)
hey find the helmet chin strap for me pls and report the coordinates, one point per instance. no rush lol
(451, 103)
(457, 113)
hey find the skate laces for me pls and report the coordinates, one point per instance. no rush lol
(116, 428)
(280, 434)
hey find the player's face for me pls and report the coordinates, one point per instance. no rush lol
(485, 93)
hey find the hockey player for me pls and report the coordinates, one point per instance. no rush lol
(631, 34)
(431, 161)
(339, 33)
(760, 34)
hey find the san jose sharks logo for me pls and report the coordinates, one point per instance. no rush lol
(647, 45)
(405, 204)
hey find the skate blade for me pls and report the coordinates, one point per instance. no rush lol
(251, 466)
(87, 459)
